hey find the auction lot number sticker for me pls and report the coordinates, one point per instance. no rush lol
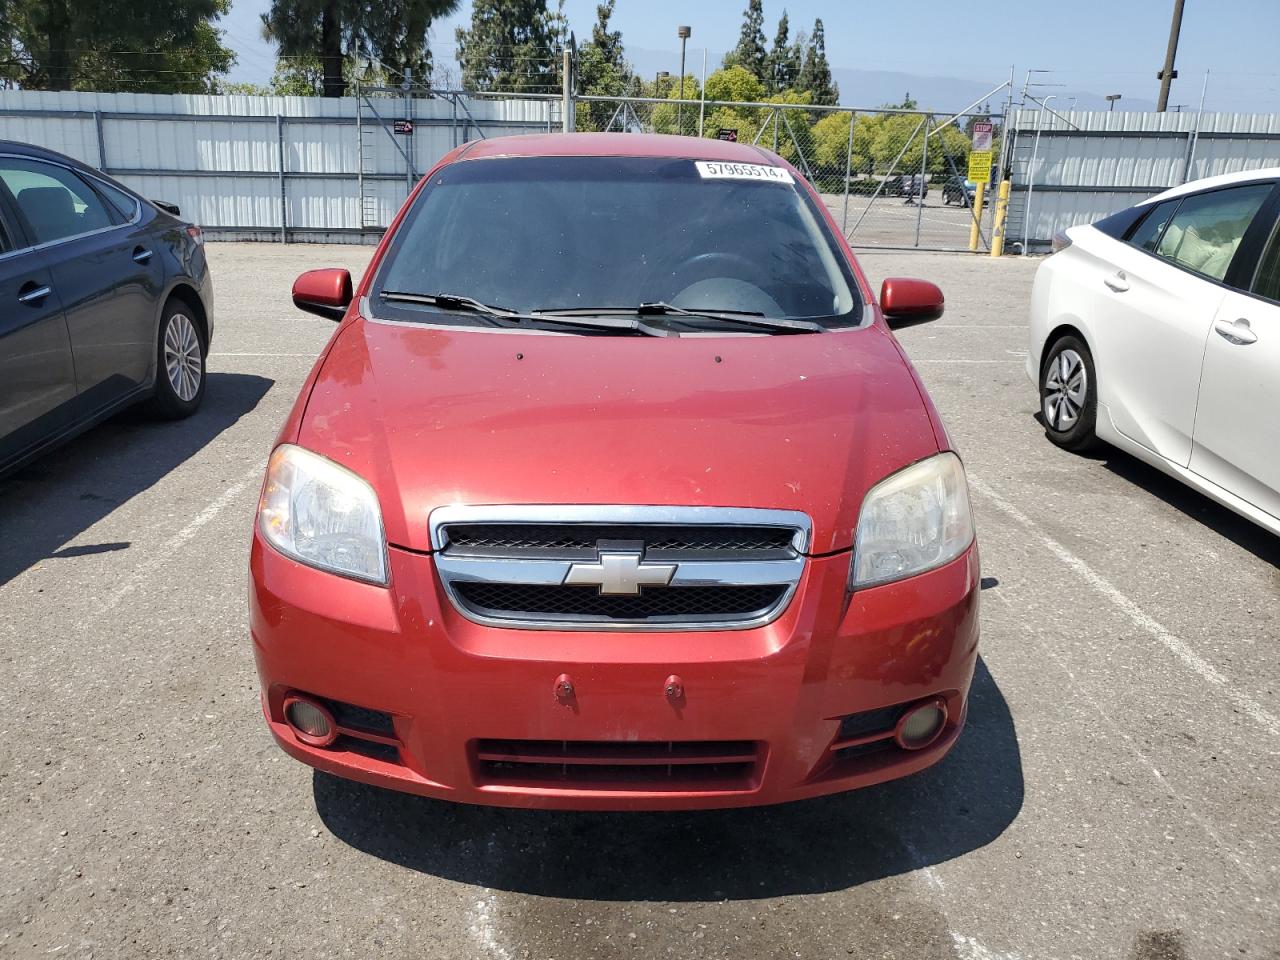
(715, 170)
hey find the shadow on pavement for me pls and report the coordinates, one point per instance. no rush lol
(1243, 533)
(53, 500)
(813, 846)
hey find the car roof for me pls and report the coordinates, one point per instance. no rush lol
(618, 145)
(31, 150)
(1209, 183)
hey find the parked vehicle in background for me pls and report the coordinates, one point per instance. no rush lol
(613, 489)
(909, 185)
(1158, 330)
(105, 301)
(959, 190)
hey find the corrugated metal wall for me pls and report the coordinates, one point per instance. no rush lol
(237, 165)
(1070, 168)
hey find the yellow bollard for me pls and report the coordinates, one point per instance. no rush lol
(997, 227)
(974, 233)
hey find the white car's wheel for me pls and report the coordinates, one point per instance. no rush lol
(1069, 394)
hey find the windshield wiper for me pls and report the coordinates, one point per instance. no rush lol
(452, 301)
(748, 318)
(496, 315)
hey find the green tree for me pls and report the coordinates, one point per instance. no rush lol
(602, 70)
(512, 45)
(815, 73)
(151, 46)
(333, 31)
(750, 52)
(782, 67)
(735, 83)
(304, 77)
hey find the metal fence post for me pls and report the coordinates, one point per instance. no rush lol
(702, 105)
(284, 201)
(408, 151)
(848, 170)
(924, 174)
(102, 141)
(566, 93)
(1031, 175)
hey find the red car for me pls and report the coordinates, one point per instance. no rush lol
(614, 490)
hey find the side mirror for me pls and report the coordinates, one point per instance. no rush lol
(326, 293)
(905, 301)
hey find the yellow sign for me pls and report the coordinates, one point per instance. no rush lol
(980, 166)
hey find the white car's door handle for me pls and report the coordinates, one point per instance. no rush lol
(1119, 283)
(1239, 333)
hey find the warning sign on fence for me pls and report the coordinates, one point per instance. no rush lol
(980, 166)
(982, 136)
(727, 133)
(403, 127)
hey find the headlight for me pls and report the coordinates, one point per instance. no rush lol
(913, 521)
(323, 515)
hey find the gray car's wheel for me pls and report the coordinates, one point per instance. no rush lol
(180, 374)
(1069, 395)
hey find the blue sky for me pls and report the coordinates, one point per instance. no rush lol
(1093, 46)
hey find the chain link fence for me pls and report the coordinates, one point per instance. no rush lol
(891, 178)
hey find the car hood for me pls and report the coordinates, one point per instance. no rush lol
(434, 415)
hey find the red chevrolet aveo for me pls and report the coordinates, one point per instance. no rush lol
(613, 490)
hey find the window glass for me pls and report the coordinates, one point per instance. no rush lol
(124, 203)
(5, 243)
(1147, 235)
(55, 201)
(1266, 282)
(1207, 229)
(616, 232)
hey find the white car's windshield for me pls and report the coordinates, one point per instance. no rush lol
(614, 233)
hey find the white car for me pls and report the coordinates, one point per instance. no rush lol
(1157, 330)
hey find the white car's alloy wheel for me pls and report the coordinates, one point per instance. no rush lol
(1066, 389)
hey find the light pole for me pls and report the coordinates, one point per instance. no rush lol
(1168, 74)
(683, 33)
(1111, 102)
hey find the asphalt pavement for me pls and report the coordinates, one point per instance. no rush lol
(1114, 795)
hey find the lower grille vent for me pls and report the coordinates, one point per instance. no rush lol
(602, 765)
(683, 604)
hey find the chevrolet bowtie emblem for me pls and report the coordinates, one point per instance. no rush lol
(620, 573)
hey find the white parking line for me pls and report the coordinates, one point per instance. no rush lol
(179, 539)
(1139, 617)
(919, 360)
(1050, 652)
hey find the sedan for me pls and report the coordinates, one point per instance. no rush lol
(613, 489)
(106, 300)
(1157, 330)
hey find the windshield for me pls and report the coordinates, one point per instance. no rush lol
(534, 234)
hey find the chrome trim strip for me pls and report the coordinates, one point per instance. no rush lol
(552, 573)
(517, 571)
(620, 515)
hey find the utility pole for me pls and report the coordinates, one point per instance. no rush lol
(1168, 74)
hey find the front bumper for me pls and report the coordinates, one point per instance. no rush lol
(455, 689)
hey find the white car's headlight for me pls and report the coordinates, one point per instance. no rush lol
(912, 521)
(322, 515)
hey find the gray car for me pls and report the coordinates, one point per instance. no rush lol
(105, 301)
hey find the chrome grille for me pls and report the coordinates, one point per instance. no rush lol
(619, 567)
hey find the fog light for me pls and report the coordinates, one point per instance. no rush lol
(311, 723)
(921, 725)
